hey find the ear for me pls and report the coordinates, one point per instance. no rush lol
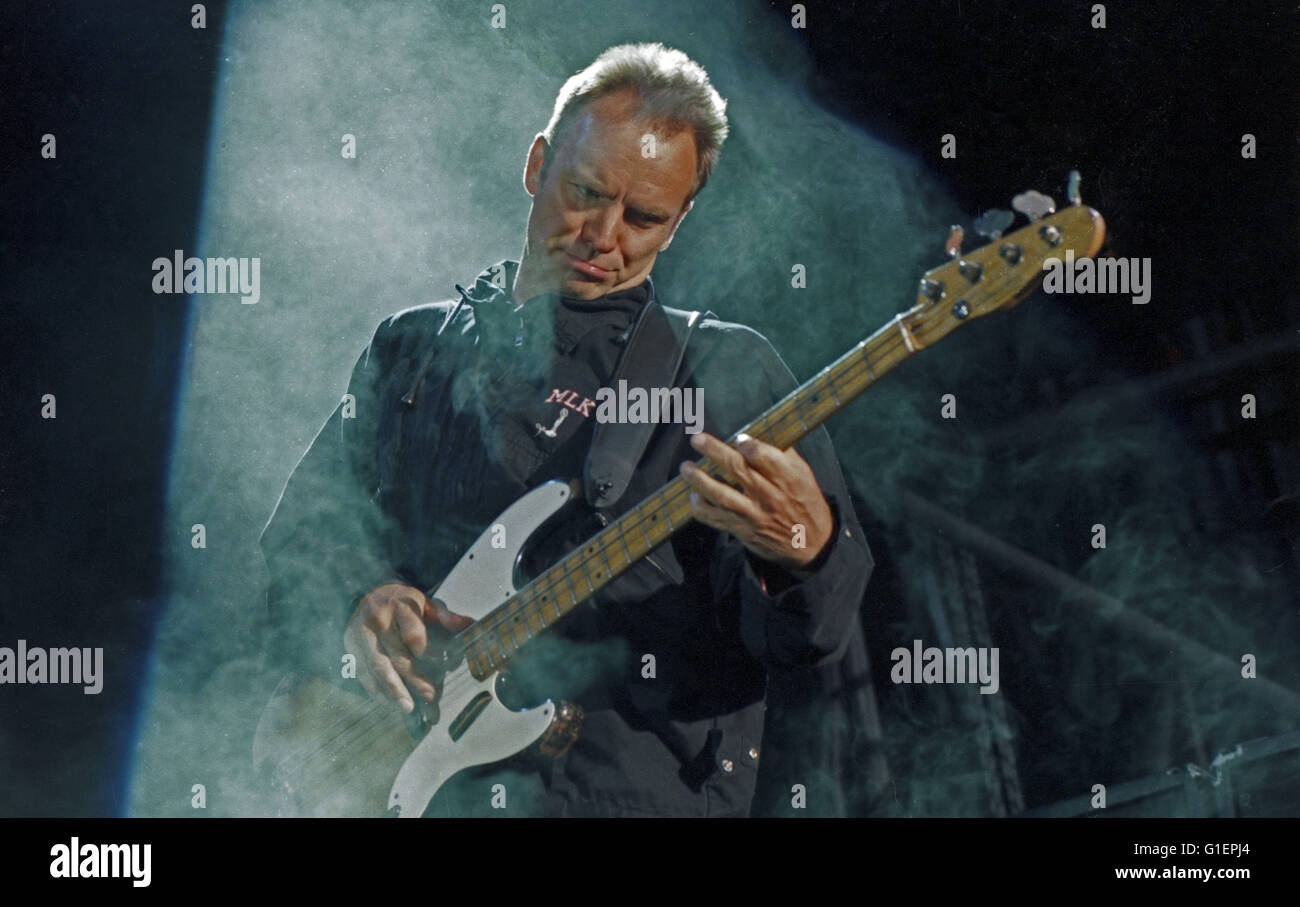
(533, 168)
(681, 217)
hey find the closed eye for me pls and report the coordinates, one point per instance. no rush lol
(646, 218)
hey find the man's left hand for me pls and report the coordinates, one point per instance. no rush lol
(777, 510)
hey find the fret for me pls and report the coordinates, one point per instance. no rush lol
(627, 552)
(609, 568)
(475, 642)
(666, 509)
(589, 557)
(798, 415)
(555, 604)
(529, 607)
(769, 435)
(649, 543)
(816, 396)
(526, 610)
(591, 590)
(513, 622)
(531, 611)
(491, 634)
(499, 635)
(564, 569)
(830, 385)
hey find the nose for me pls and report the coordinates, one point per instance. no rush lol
(601, 228)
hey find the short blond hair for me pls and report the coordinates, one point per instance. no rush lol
(673, 92)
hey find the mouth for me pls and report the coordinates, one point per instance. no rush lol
(587, 268)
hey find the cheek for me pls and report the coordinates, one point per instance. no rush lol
(562, 222)
(642, 246)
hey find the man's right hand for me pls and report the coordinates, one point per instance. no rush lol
(387, 633)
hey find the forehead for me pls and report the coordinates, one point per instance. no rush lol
(608, 140)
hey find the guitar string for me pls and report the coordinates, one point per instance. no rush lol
(361, 727)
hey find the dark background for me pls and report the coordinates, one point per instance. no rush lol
(1151, 110)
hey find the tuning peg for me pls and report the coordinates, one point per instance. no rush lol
(1072, 189)
(953, 246)
(1034, 205)
(993, 222)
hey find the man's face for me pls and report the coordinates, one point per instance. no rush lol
(604, 210)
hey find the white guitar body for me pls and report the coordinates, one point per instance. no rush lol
(482, 579)
(301, 740)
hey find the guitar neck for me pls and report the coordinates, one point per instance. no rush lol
(492, 642)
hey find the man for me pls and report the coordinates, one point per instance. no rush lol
(457, 409)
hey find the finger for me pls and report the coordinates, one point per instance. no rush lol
(766, 459)
(390, 684)
(409, 619)
(727, 459)
(403, 660)
(364, 637)
(719, 494)
(734, 465)
(713, 516)
(764, 465)
(376, 667)
(377, 673)
(438, 612)
(410, 671)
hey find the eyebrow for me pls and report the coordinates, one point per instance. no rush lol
(653, 216)
(589, 178)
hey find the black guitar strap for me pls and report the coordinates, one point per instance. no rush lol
(652, 358)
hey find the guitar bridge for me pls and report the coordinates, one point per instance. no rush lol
(563, 731)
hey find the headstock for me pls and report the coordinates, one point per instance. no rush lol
(1006, 270)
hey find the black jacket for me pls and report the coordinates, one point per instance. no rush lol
(395, 490)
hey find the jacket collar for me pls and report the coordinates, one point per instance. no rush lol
(496, 308)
